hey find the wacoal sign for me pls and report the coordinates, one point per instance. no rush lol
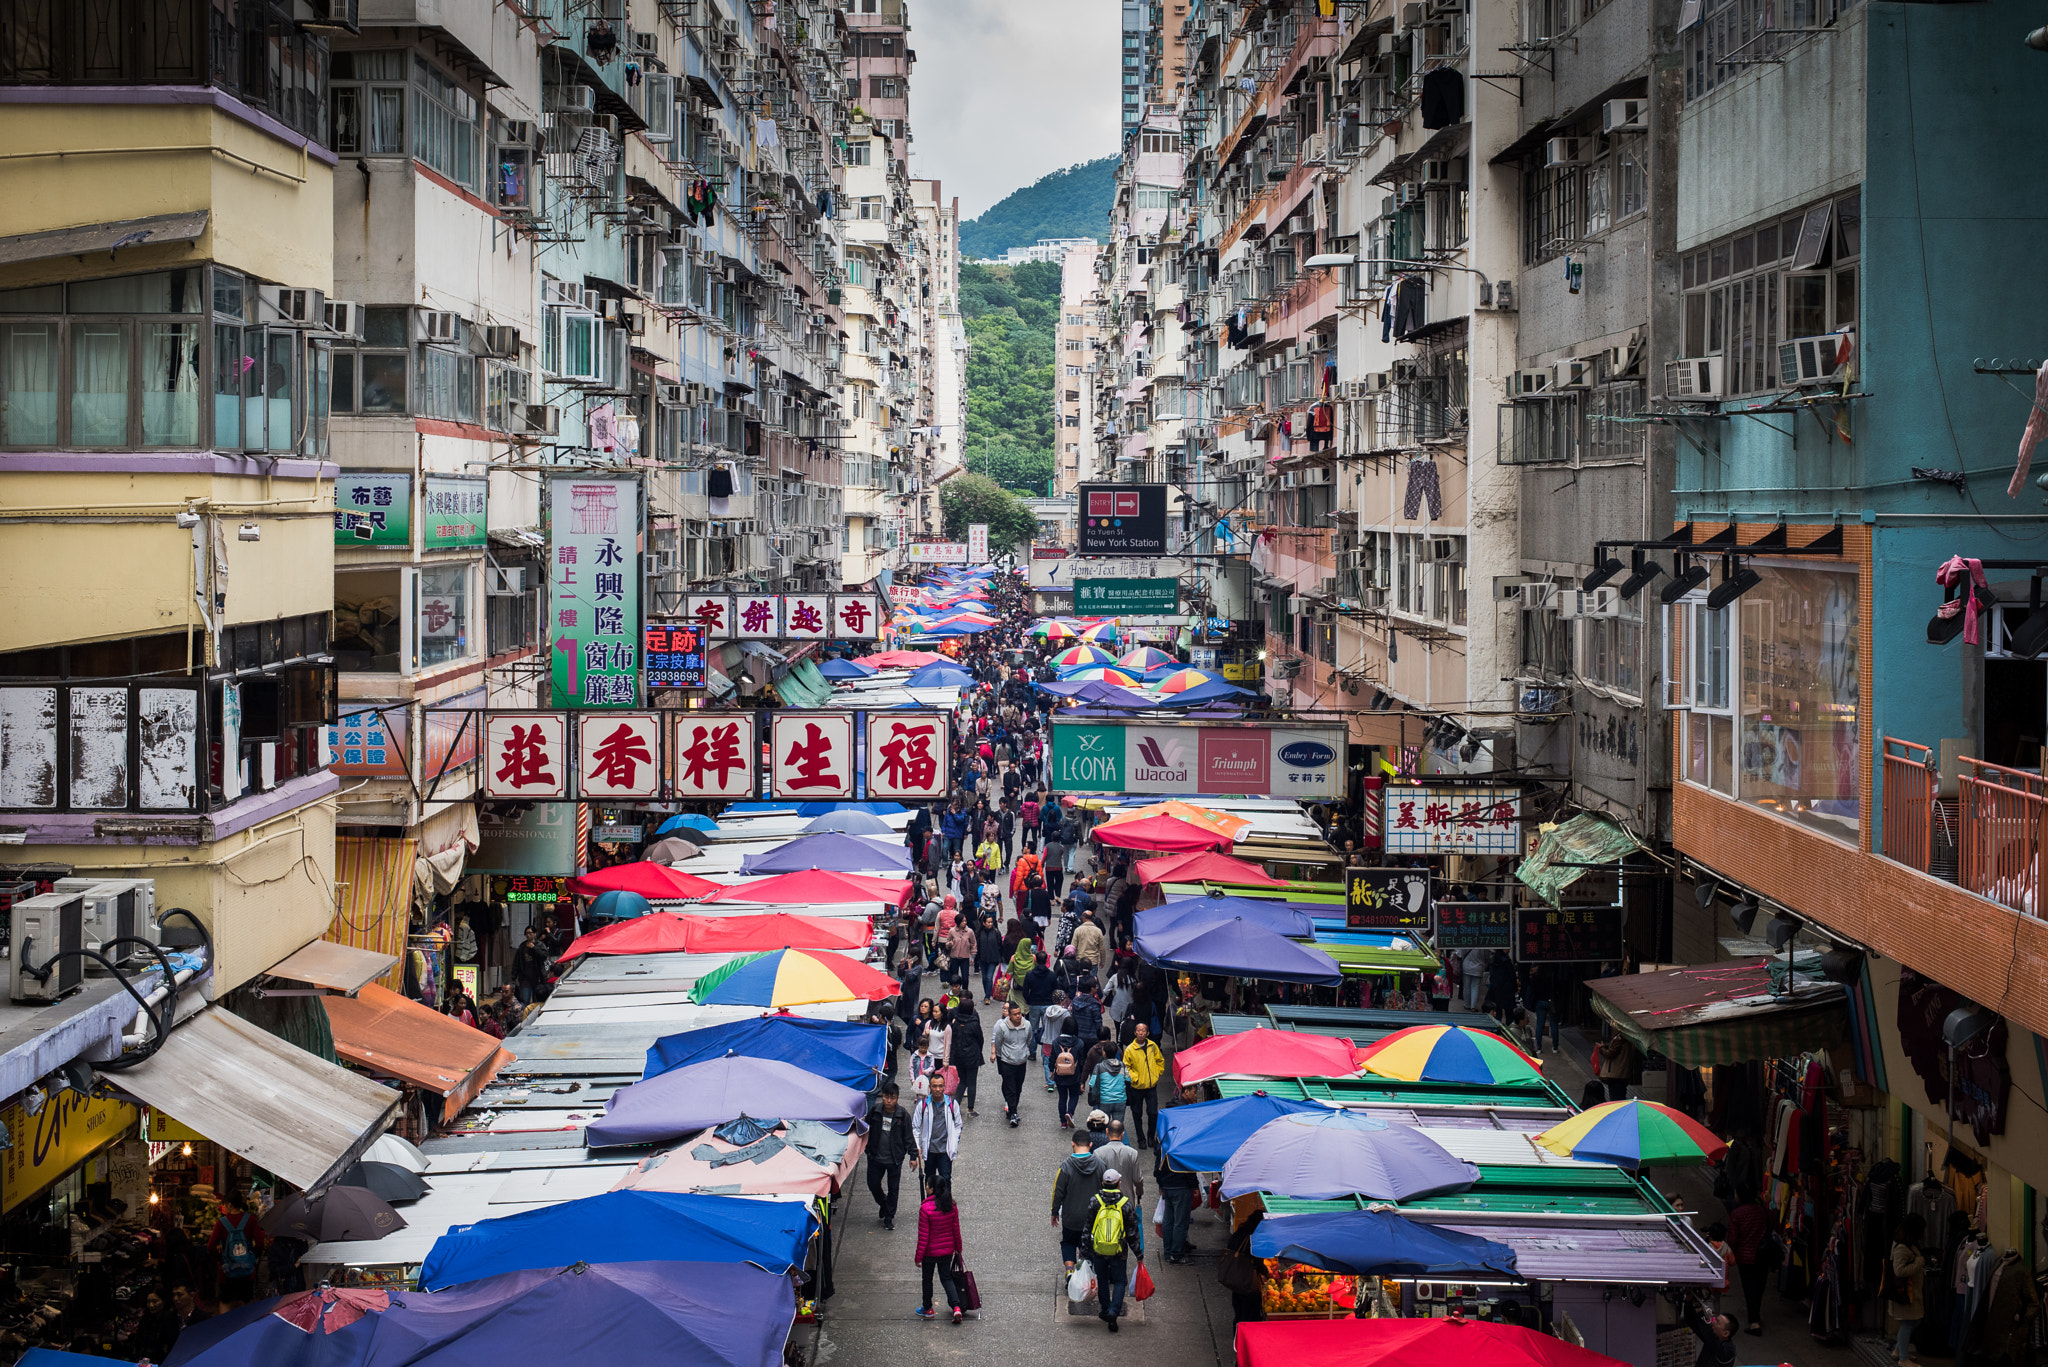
(1161, 757)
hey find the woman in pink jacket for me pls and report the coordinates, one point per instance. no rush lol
(938, 1248)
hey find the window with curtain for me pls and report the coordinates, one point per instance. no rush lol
(170, 384)
(28, 374)
(445, 130)
(99, 382)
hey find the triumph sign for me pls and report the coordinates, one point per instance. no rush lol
(1248, 759)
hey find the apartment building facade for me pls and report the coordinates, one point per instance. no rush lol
(1078, 356)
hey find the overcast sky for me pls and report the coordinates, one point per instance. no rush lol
(1005, 91)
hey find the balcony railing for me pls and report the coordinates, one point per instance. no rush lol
(1999, 820)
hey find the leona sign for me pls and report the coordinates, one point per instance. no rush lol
(1251, 758)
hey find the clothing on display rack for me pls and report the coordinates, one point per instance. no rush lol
(1933, 1202)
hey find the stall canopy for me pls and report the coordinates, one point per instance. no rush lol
(656, 881)
(1282, 918)
(1406, 1343)
(1379, 1243)
(1202, 1137)
(831, 850)
(1202, 868)
(396, 1036)
(1265, 1052)
(1164, 833)
(625, 1227)
(1239, 948)
(1723, 1012)
(1571, 849)
(339, 968)
(271, 1102)
(699, 1095)
(846, 1052)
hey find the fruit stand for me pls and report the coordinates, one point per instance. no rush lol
(1295, 1291)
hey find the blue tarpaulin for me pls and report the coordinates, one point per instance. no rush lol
(625, 1227)
(1236, 948)
(847, 1052)
(939, 676)
(846, 669)
(1202, 1137)
(728, 1315)
(1377, 1243)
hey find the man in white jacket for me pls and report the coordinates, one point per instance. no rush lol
(935, 1128)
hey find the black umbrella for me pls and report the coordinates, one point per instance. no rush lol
(388, 1181)
(338, 1215)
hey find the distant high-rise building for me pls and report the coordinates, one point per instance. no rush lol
(1137, 35)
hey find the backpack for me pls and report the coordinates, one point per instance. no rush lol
(1106, 1232)
(237, 1253)
(1087, 1016)
(1063, 1063)
(1109, 1088)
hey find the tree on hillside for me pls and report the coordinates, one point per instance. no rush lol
(966, 499)
(1021, 471)
(1073, 202)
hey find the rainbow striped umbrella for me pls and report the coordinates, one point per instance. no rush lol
(792, 977)
(1633, 1135)
(1099, 675)
(1145, 658)
(1055, 631)
(1449, 1053)
(1102, 631)
(1082, 655)
(1182, 680)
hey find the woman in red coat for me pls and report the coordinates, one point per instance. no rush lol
(938, 1248)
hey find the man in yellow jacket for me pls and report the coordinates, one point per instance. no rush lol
(1144, 1066)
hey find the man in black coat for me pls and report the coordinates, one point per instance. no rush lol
(888, 1145)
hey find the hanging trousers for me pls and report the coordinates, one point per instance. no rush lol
(1422, 484)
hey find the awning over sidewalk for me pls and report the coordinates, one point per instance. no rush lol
(271, 1102)
(339, 968)
(1571, 849)
(1722, 1012)
(396, 1036)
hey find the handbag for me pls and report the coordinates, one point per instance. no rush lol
(1141, 1285)
(952, 1076)
(970, 1294)
(1893, 1287)
(1238, 1271)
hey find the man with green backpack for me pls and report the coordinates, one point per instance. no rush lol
(1113, 1230)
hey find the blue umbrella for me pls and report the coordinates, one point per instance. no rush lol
(1204, 693)
(1286, 918)
(716, 1315)
(1338, 1153)
(624, 1227)
(1379, 1243)
(698, 1096)
(1202, 1137)
(939, 676)
(1237, 948)
(849, 823)
(846, 669)
(847, 1052)
(51, 1357)
(619, 906)
(690, 820)
(832, 850)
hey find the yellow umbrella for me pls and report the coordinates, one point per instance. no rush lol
(1223, 823)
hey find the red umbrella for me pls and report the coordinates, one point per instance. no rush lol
(1203, 868)
(776, 930)
(1265, 1052)
(892, 659)
(1407, 1343)
(655, 882)
(1159, 833)
(816, 885)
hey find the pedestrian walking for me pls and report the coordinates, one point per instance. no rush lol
(1073, 1195)
(963, 1051)
(1905, 1298)
(1749, 1233)
(1106, 1086)
(1065, 1068)
(935, 1128)
(989, 955)
(888, 1145)
(939, 1248)
(1010, 1051)
(1177, 1188)
(1144, 1068)
(1115, 1151)
(1113, 1233)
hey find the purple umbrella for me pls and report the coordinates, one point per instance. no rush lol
(830, 850)
(701, 1095)
(1324, 1157)
(714, 1314)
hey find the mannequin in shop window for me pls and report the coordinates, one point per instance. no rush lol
(2006, 1311)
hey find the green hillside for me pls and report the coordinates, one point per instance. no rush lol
(1070, 203)
(1012, 314)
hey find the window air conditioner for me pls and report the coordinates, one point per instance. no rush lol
(1377, 382)
(1570, 603)
(1566, 151)
(1290, 479)
(1326, 587)
(44, 926)
(1525, 384)
(1693, 379)
(439, 325)
(644, 43)
(1326, 616)
(1295, 604)
(1572, 373)
(1601, 602)
(1316, 474)
(344, 319)
(1619, 115)
(1444, 550)
(515, 133)
(581, 98)
(1449, 171)
(543, 420)
(504, 582)
(299, 307)
(1807, 361)
(501, 341)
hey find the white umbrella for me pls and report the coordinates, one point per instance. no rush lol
(389, 1148)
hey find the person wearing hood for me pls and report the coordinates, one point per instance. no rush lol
(1048, 1022)
(1109, 1087)
(1073, 1197)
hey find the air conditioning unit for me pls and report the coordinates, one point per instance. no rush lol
(515, 132)
(1449, 171)
(645, 43)
(1525, 384)
(1444, 550)
(542, 420)
(670, 395)
(1317, 474)
(1377, 383)
(42, 927)
(115, 909)
(1601, 602)
(1326, 616)
(298, 307)
(344, 319)
(1326, 587)
(1407, 192)
(1805, 361)
(1296, 604)
(439, 325)
(1533, 596)
(581, 98)
(1620, 115)
(1693, 379)
(1290, 479)
(1570, 603)
(1572, 373)
(1411, 16)
(503, 581)
(501, 341)
(562, 293)
(1566, 151)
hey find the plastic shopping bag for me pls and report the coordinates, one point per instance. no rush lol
(1141, 1285)
(1081, 1285)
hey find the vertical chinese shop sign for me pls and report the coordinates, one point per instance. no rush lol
(594, 590)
